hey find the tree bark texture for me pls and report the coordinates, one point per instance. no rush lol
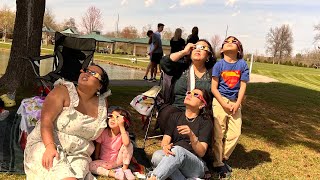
(26, 43)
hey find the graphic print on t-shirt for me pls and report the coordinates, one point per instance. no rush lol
(231, 77)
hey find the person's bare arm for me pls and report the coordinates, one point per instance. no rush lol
(124, 136)
(186, 51)
(166, 145)
(199, 148)
(52, 107)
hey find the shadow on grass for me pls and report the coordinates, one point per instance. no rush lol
(282, 114)
(248, 160)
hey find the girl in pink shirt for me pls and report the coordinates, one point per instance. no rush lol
(113, 148)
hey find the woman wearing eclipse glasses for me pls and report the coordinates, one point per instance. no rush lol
(193, 72)
(186, 139)
(72, 116)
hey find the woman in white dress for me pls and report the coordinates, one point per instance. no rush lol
(60, 146)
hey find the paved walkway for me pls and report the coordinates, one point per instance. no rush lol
(255, 78)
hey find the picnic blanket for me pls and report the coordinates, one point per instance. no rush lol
(11, 153)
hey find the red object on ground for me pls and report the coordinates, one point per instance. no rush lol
(23, 140)
(41, 90)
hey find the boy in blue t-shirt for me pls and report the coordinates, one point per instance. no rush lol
(229, 80)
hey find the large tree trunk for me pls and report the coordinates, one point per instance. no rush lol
(26, 43)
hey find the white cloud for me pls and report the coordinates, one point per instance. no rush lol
(230, 2)
(148, 3)
(268, 19)
(276, 2)
(124, 2)
(191, 2)
(236, 13)
(244, 36)
(172, 6)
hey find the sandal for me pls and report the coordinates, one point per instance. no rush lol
(8, 102)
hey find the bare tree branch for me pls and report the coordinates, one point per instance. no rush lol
(279, 42)
(92, 20)
(317, 36)
(49, 20)
(215, 42)
(145, 29)
(167, 33)
(70, 23)
(7, 18)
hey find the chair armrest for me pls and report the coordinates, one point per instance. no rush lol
(39, 58)
(35, 62)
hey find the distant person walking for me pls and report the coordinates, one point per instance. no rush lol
(157, 52)
(149, 34)
(193, 37)
(176, 42)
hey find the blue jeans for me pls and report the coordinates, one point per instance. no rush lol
(181, 166)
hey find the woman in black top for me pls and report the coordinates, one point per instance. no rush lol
(186, 140)
(193, 37)
(195, 70)
(176, 42)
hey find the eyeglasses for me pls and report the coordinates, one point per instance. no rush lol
(199, 96)
(92, 73)
(233, 41)
(201, 47)
(110, 116)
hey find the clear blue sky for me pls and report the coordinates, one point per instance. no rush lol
(250, 20)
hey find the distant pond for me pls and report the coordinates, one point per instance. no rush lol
(114, 72)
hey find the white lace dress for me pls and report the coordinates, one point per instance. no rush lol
(73, 135)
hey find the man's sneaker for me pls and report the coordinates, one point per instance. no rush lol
(145, 78)
(227, 166)
(154, 80)
(222, 172)
(150, 80)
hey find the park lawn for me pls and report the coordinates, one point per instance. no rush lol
(116, 59)
(5, 45)
(299, 76)
(122, 60)
(280, 137)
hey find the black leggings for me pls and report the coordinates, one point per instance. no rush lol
(164, 114)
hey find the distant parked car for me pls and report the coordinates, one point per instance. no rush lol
(104, 50)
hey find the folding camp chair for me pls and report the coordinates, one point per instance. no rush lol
(70, 55)
(145, 104)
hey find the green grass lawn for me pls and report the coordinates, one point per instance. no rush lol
(299, 76)
(280, 135)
